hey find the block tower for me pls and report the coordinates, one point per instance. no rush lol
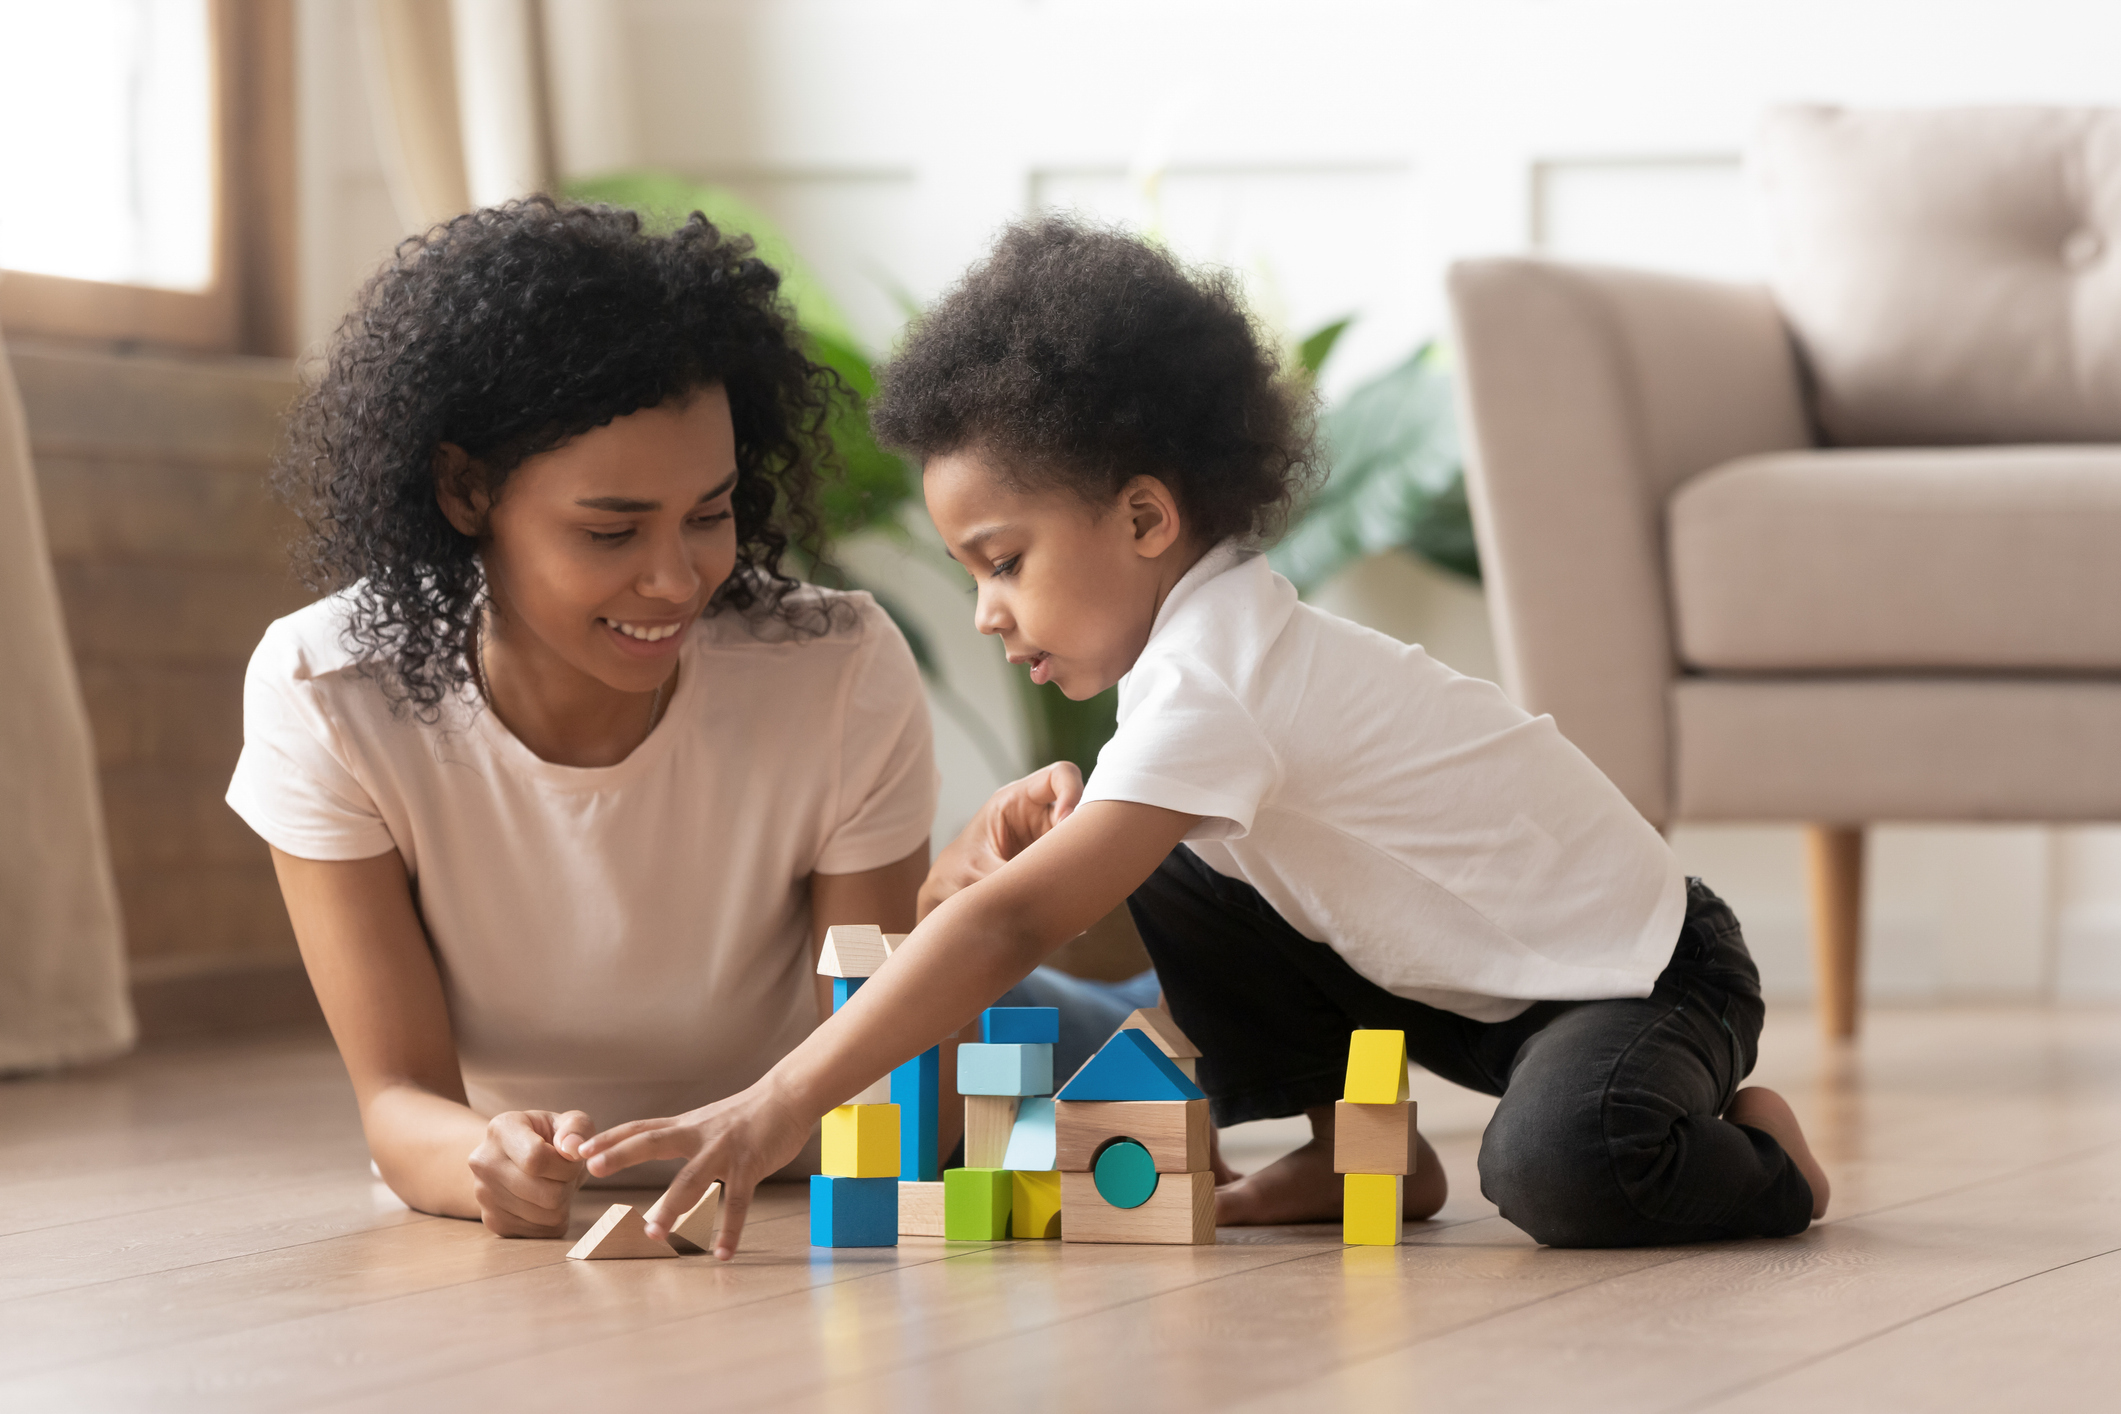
(1132, 1142)
(854, 1201)
(1008, 1186)
(1373, 1139)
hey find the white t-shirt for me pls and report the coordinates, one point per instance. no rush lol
(1451, 848)
(630, 940)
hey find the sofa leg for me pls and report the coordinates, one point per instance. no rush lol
(1834, 860)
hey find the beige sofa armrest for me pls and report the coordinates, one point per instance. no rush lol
(1587, 394)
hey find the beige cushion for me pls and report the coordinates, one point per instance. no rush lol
(1958, 558)
(1916, 748)
(1952, 276)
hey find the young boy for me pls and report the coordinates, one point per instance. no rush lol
(1316, 827)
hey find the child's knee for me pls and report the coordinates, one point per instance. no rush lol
(1552, 1176)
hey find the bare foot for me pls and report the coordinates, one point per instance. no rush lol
(1301, 1187)
(1763, 1109)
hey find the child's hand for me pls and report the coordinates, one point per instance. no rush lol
(526, 1170)
(737, 1141)
(1012, 819)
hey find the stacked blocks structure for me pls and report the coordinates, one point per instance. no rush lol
(1008, 1186)
(854, 1202)
(1131, 1142)
(1373, 1139)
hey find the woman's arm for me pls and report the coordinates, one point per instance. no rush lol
(974, 946)
(369, 960)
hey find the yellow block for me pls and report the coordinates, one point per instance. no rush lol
(1370, 1207)
(1036, 1210)
(1377, 1068)
(861, 1141)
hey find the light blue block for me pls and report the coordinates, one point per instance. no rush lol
(1029, 1025)
(853, 1212)
(843, 988)
(1004, 1070)
(916, 1090)
(1129, 1067)
(1031, 1146)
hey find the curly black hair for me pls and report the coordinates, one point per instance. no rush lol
(1082, 357)
(507, 332)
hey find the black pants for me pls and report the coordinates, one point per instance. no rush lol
(1608, 1133)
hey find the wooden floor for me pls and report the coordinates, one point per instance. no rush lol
(196, 1229)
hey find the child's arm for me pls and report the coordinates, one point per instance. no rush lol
(369, 961)
(971, 949)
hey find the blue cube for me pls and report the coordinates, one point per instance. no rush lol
(1004, 1070)
(1024, 1025)
(853, 1212)
(843, 988)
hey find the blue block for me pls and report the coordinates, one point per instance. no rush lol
(1023, 1025)
(1031, 1143)
(853, 1212)
(843, 988)
(1004, 1070)
(916, 1088)
(1129, 1067)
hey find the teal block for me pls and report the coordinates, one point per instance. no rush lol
(853, 1212)
(843, 988)
(1004, 1070)
(916, 1088)
(1125, 1174)
(1031, 1025)
(1129, 1067)
(1031, 1143)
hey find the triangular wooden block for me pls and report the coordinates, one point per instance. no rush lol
(695, 1231)
(618, 1234)
(1129, 1067)
(852, 950)
(892, 941)
(1156, 1023)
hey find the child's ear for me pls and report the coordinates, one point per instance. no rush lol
(1153, 512)
(458, 490)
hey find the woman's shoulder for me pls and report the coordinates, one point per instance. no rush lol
(310, 644)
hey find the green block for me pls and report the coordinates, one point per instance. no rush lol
(976, 1204)
(1125, 1174)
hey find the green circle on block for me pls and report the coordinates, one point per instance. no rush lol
(1126, 1175)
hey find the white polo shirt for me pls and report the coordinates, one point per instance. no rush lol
(1454, 849)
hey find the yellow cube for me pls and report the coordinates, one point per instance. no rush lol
(1370, 1207)
(1035, 1209)
(1377, 1067)
(861, 1141)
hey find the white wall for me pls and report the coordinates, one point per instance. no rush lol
(1341, 153)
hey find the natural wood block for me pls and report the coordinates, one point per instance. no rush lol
(618, 1233)
(1035, 1204)
(877, 1092)
(1371, 1204)
(1156, 1023)
(861, 1141)
(1377, 1067)
(1175, 1132)
(695, 1231)
(1373, 1138)
(1180, 1213)
(852, 950)
(920, 1209)
(988, 1120)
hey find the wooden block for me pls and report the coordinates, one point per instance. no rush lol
(976, 1204)
(853, 950)
(1156, 1023)
(1180, 1213)
(853, 1212)
(1373, 1138)
(920, 1209)
(916, 1089)
(1034, 1204)
(1129, 1067)
(695, 1231)
(861, 1141)
(892, 942)
(1370, 1207)
(988, 1120)
(1031, 1145)
(1188, 1066)
(1175, 1132)
(1377, 1067)
(618, 1233)
(877, 1092)
(843, 990)
(984, 1069)
(1029, 1025)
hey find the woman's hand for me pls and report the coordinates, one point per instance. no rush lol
(526, 1170)
(736, 1142)
(1013, 818)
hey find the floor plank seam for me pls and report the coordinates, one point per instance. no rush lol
(1745, 1386)
(136, 1212)
(1970, 1185)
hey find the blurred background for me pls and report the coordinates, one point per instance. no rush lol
(192, 190)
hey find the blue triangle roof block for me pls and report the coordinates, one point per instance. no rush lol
(1129, 1067)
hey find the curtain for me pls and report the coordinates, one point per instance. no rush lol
(63, 997)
